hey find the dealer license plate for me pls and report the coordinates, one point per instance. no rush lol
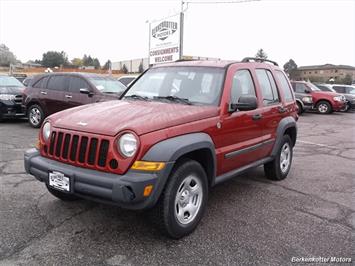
(59, 181)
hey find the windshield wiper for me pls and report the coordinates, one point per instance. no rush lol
(137, 97)
(173, 99)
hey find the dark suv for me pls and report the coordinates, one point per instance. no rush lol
(163, 146)
(51, 93)
(10, 97)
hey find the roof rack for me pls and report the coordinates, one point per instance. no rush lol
(255, 59)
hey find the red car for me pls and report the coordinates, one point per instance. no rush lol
(180, 129)
(323, 101)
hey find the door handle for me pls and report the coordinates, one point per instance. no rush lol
(282, 109)
(257, 116)
(44, 92)
(68, 96)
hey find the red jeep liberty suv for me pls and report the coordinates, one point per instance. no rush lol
(178, 130)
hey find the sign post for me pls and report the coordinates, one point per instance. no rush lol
(165, 40)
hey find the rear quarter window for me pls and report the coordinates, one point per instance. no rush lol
(284, 86)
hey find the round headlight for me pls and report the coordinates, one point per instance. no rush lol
(46, 131)
(127, 144)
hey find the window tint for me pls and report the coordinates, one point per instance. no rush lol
(299, 87)
(41, 83)
(339, 89)
(267, 86)
(284, 86)
(242, 85)
(76, 84)
(59, 83)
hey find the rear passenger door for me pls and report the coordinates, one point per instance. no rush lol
(57, 87)
(40, 92)
(73, 97)
(272, 108)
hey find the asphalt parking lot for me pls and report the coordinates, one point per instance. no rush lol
(249, 219)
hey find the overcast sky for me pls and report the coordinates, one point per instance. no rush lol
(310, 32)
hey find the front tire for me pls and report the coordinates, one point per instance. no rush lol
(183, 201)
(279, 168)
(35, 116)
(300, 109)
(324, 107)
(61, 195)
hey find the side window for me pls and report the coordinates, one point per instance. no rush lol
(300, 88)
(339, 89)
(242, 85)
(41, 83)
(268, 86)
(285, 87)
(76, 83)
(58, 83)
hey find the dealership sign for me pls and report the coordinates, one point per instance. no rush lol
(164, 40)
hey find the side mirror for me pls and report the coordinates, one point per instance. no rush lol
(307, 91)
(86, 91)
(245, 103)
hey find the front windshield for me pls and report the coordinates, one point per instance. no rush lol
(107, 85)
(313, 87)
(198, 85)
(9, 82)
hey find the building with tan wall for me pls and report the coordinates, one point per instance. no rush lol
(324, 73)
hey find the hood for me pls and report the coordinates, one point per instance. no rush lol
(330, 93)
(11, 90)
(110, 118)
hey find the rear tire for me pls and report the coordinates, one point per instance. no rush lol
(300, 109)
(35, 116)
(61, 195)
(279, 168)
(183, 201)
(324, 107)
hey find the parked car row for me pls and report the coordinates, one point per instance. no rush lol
(325, 99)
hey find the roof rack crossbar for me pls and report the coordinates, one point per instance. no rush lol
(248, 59)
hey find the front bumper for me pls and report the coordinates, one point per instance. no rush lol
(338, 106)
(123, 190)
(8, 109)
(307, 106)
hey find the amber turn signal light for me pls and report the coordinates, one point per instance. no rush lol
(147, 166)
(147, 190)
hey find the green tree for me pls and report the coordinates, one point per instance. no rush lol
(107, 65)
(96, 63)
(6, 56)
(290, 68)
(140, 68)
(87, 60)
(261, 54)
(78, 62)
(54, 59)
(124, 69)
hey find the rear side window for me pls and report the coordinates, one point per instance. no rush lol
(242, 85)
(268, 86)
(339, 89)
(41, 84)
(58, 83)
(285, 87)
(76, 84)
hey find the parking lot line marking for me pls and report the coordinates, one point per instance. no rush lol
(318, 144)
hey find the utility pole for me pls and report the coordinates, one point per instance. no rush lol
(181, 30)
